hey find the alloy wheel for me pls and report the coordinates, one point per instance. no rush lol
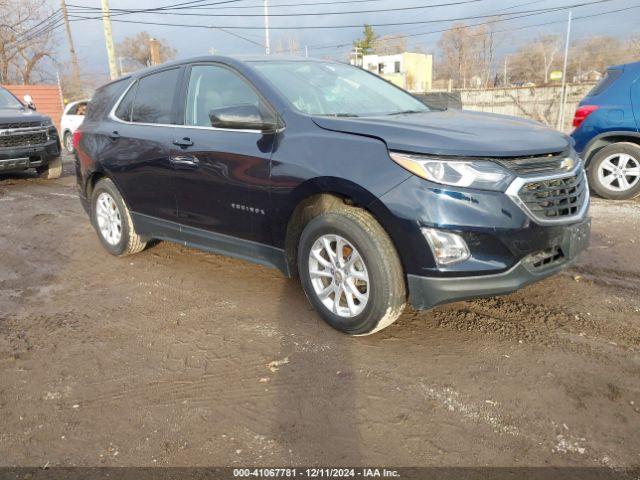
(109, 218)
(339, 275)
(619, 172)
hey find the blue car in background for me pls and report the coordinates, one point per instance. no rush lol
(607, 134)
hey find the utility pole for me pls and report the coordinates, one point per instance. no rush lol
(563, 91)
(108, 38)
(505, 78)
(154, 50)
(75, 68)
(267, 46)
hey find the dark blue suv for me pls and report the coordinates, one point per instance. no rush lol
(327, 172)
(607, 133)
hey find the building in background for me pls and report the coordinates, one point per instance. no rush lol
(411, 71)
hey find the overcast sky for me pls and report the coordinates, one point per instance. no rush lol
(89, 39)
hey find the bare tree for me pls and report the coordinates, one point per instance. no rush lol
(390, 45)
(467, 55)
(288, 45)
(534, 61)
(136, 51)
(26, 39)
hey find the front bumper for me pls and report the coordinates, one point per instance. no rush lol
(428, 292)
(21, 158)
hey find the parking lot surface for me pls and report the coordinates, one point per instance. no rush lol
(179, 357)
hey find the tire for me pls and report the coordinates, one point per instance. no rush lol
(52, 170)
(602, 166)
(108, 209)
(68, 142)
(360, 235)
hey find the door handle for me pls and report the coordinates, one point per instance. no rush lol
(183, 142)
(114, 135)
(184, 161)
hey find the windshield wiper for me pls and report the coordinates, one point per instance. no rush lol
(406, 111)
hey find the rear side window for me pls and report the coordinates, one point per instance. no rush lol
(104, 98)
(123, 112)
(153, 101)
(605, 82)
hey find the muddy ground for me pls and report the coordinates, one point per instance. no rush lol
(163, 358)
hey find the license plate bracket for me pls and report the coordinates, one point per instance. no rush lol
(576, 239)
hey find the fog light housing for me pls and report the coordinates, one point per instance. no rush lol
(448, 248)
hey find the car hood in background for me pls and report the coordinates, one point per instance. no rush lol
(15, 115)
(454, 132)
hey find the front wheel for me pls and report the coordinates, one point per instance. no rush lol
(351, 272)
(614, 172)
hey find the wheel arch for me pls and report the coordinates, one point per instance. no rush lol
(317, 196)
(604, 139)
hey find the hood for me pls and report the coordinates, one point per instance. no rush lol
(454, 132)
(15, 115)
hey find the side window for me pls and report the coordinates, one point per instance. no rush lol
(73, 110)
(212, 86)
(154, 97)
(123, 112)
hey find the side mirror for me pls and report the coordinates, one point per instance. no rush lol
(242, 117)
(28, 100)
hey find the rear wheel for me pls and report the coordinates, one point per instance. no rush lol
(51, 170)
(68, 142)
(351, 272)
(614, 172)
(112, 220)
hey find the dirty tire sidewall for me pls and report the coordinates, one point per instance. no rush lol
(387, 291)
(122, 247)
(594, 165)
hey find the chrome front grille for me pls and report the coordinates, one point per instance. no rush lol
(23, 139)
(555, 198)
(535, 164)
(12, 125)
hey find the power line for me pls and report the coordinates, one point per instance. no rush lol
(307, 27)
(498, 20)
(314, 14)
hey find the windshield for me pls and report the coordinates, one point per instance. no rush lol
(319, 88)
(7, 100)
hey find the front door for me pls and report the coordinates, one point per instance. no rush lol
(222, 180)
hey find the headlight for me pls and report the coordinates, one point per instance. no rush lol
(481, 174)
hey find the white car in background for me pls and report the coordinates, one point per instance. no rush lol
(72, 118)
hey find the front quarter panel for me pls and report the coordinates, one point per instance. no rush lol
(308, 160)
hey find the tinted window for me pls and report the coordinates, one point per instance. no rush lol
(123, 112)
(605, 82)
(212, 87)
(154, 97)
(104, 98)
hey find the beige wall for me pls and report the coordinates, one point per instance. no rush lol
(537, 103)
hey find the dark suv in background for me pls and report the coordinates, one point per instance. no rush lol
(327, 171)
(607, 133)
(27, 139)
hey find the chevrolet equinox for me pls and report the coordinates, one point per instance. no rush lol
(326, 171)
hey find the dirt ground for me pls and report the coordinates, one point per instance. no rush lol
(182, 358)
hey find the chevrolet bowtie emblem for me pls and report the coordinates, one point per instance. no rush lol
(567, 163)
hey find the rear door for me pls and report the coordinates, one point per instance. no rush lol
(138, 156)
(222, 183)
